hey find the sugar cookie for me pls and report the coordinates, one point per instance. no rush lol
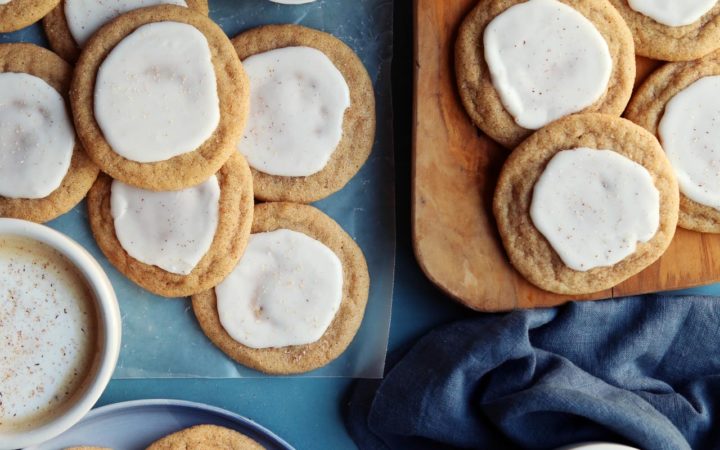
(235, 209)
(658, 40)
(205, 437)
(126, 103)
(649, 107)
(89, 15)
(87, 448)
(509, 85)
(17, 14)
(296, 358)
(39, 186)
(358, 124)
(532, 254)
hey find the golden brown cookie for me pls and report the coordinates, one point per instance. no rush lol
(87, 448)
(358, 124)
(21, 13)
(184, 170)
(481, 100)
(528, 250)
(62, 41)
(42, 63)
(658, 41)
(646, 109)
(231, 236)
(356, 283)
(202, 437)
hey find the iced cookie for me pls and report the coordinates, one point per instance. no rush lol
(312, 112)
(87, 448)
(175, 243)
(17, 14)
(205, 437)
(521, 65)
(585, 203)
(296, 298)
(159, 98)
(678, 30)
(44, 170)
(679, 103)
(71, 23)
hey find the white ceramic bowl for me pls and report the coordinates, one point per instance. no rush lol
(109, 332)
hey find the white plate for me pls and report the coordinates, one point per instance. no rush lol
(596, 446)
(134, 425)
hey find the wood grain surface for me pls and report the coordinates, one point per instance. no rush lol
(455, 168)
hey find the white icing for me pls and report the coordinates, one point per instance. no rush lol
(546, 61)
(85, 17)
(284, 291)
(47, 332)
(4, 2)
(156, 93)
(690, 134)
(594, 206)
(673, 13)
(298, 100)
(36, 137)
(171, 230)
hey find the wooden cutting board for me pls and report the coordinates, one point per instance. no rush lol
(455, 168)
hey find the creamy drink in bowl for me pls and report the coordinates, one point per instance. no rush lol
(59, 333)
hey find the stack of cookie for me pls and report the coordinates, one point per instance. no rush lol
(166, 112)
(587, 199)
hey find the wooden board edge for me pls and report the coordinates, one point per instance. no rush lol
(419, 258)
(473, 303)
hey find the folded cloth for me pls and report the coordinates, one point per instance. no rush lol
(643, 371)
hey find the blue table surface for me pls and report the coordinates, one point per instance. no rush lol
(307, 412)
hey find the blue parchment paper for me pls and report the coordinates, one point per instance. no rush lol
(161, 338)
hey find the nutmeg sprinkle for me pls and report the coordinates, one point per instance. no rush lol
(48, 332)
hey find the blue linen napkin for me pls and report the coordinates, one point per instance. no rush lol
(643, 371)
